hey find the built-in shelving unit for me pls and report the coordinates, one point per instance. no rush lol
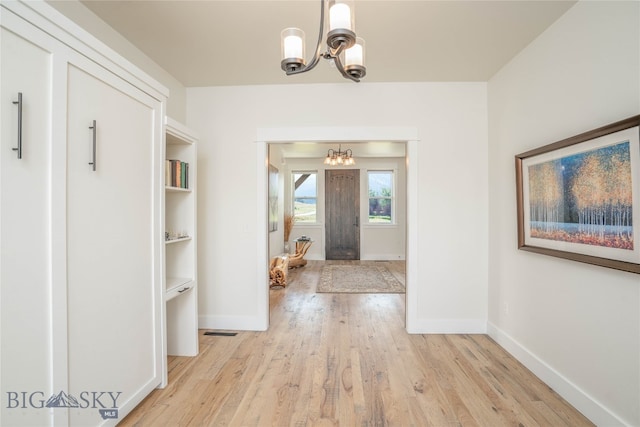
(180, 281)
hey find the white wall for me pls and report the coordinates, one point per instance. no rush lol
(377, 241)
(451, 162)
(577, 326)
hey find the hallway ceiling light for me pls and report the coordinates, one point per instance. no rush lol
(344, 158)
(343, 47)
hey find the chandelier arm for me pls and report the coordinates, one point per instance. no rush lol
(316, 58)
(336, 57)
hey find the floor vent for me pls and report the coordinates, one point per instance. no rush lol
(221, 334)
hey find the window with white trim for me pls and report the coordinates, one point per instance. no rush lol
(381, 197)
(305, 196)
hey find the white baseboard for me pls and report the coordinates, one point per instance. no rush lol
(447, 326)
(372, 257)
(232, 323)
(590, 408)
(382, 257)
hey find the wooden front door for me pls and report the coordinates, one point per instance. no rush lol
(342, 214)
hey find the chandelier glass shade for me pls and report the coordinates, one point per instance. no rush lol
(343, 158)
(343, 47)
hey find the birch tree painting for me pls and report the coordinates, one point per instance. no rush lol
(584, 198)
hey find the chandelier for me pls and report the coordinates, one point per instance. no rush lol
(344, 158)
(343, 47)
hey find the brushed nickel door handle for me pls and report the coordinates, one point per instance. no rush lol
(93, 162)
(19, 104)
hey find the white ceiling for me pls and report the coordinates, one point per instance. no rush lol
(237, 42)
(211, 43)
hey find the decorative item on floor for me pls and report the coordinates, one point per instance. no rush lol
(289, 222)
(278, 271)
(344, 158)
(578, 198)
(303, 244)
(358, 279)
(343, 47)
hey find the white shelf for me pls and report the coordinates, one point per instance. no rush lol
(181, 239)
(175, 282)
(171, 189)
(179, 287)
(178, 134)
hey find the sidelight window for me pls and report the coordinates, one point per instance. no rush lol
(381, 197)
(305, 196)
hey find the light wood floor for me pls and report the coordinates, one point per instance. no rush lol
(346, 360)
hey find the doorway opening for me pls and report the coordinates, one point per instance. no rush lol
(312, 137)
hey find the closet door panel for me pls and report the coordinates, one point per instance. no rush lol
(25, 232)
(112, 321)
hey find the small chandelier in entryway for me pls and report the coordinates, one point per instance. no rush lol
(344, 158)
(343, 47)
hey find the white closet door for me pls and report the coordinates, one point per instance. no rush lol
(25, 233)
(111, 312)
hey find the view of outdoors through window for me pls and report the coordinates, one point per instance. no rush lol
(305, 196)
(380, 196)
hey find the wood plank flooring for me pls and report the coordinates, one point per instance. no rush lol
(346, 360)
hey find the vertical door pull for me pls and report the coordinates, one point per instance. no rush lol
(93, 162)
(19, 103)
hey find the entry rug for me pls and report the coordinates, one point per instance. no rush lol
(358, 279)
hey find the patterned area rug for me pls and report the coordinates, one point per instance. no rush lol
(358, 279)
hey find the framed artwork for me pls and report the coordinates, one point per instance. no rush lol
(579, 198)
(273, 198)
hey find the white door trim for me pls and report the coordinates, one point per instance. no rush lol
(266, 136)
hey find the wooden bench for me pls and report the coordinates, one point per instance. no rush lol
(278, 268)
